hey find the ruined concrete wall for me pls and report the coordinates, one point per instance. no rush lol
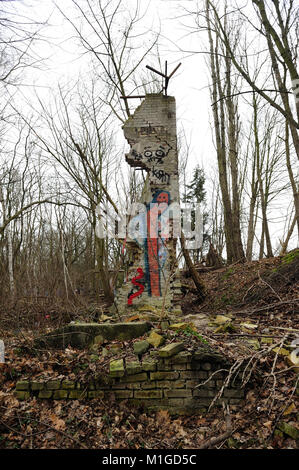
(151, 133)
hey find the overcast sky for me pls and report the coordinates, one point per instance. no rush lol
(189, 85)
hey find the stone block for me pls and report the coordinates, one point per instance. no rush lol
(171, 349)
(117, 368)
(133, 367)
(140, 347)
(155, 339)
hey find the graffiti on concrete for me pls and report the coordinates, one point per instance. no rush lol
(140, 286)
(146, 154)
(153, 232)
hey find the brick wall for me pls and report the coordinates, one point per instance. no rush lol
(156, 383)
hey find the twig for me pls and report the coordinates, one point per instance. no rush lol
(215, 440)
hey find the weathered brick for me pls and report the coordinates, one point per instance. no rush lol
(182, 357)
(60, 394)
(148, 394)
(178, 393)
(37, 386)
(53, 385)
(68, 384)
(133, 367)
(96, 394)
(123, 393)
(150, 365)
(202, 392)
(171, 384)
(196, 374)
(164, 375)
(77, 394)
(206, 366)
(23, 385)
(117, 368)
(162, 366)
(171, 349)
(179, 366)
(22, 394)
(45, 394)
(134, 378)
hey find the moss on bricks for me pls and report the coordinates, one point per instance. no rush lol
(148, 394)
(204, 393)
(164, 375)
(68, 384)
(45, 394)
(53, 385)
(141, 347)
(124, 394)
(155, 339)
(95, 394)
(171, 384)
(193, 374)
(117, 368)
(288, 429)
(133, 367)
(181, 358)
(173, 393)
(150, 365)
(60, 394)
(134, 378)
(171, 349)
(77, 394)
(37, 386)
(22, 394)
(23, 385)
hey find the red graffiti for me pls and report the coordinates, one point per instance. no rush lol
(141, 287)
(159, 205)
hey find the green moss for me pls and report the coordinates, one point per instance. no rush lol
(22, 385)
(289, 258)
(228, 273)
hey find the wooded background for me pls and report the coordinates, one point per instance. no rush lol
(62, 157)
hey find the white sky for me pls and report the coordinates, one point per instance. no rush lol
(189, 85)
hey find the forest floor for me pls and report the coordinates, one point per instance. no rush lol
(250, 315)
